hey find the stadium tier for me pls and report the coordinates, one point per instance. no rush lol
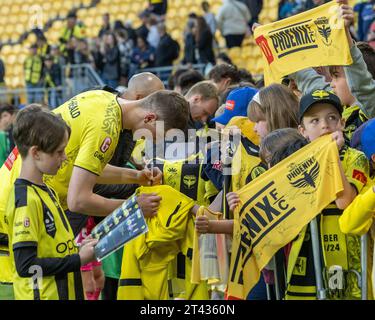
(21, 16)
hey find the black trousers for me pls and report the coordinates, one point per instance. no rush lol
(109, 291)
(234, 40)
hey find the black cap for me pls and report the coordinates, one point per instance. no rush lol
(318, 96)
(48, 57)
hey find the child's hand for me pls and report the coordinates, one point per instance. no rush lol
(233, 200)
(149, 204)
(202, 224)
(86, 251)
(347, 13)
(338, 136)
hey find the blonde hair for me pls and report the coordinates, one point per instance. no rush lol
(205, 89)
(278, 107)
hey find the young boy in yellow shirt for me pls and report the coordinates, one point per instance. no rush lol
(45, 260)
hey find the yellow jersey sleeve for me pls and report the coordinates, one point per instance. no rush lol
(356, 168)
(25, 227)
(357, 218)
(96, 149)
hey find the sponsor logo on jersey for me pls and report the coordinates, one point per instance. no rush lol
(106, 144)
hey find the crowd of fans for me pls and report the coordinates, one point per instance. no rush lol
(276, 121)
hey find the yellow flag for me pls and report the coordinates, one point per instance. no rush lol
(310, 39)
(277, 205)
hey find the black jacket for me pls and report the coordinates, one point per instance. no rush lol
(111, 64)
(206, 52)
(189, 50)
(166, 51)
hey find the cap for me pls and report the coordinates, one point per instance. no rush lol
(363, 138)
(318, 96)
(48, 57)
(236, 104)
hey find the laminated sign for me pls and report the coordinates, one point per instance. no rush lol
(121, 226)
(276, 206)
(310, 39)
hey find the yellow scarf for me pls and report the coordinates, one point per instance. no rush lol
(277, 205)
(310, 39)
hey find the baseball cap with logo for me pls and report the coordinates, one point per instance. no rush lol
(236, 104)
(318, 96)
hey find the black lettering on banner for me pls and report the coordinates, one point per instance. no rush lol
(293, 38)
(256, 222)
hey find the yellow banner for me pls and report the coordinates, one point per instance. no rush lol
(277, 205)
(310, 39)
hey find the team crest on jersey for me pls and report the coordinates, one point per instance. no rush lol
(49, 223)
(305, 175)
(106, 144)
(189, 181)
(26, 222)
(324, 30)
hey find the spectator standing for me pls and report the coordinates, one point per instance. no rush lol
(255, 7)
(57, 56)
(189, 39)
(106, 27)
(168, 48)
(209, 17)
(204, 41)
(43, 47)
(125, 46)
(111, 60)
(232, 21)
(142, 31)
(131, 32)
(153, 37)
(7, 113)
(143, 56)
(97, 55)
(2, 80)
(52, 80)
(33, 68)
(82, 53)
(72, 29)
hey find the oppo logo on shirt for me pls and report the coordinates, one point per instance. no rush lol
(105, 145)
(63, 247)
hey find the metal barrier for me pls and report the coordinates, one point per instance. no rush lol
(75, 79)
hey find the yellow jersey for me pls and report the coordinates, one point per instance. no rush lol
(35, 219)
(337, 248)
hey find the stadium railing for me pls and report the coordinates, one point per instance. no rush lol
(75, 79)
